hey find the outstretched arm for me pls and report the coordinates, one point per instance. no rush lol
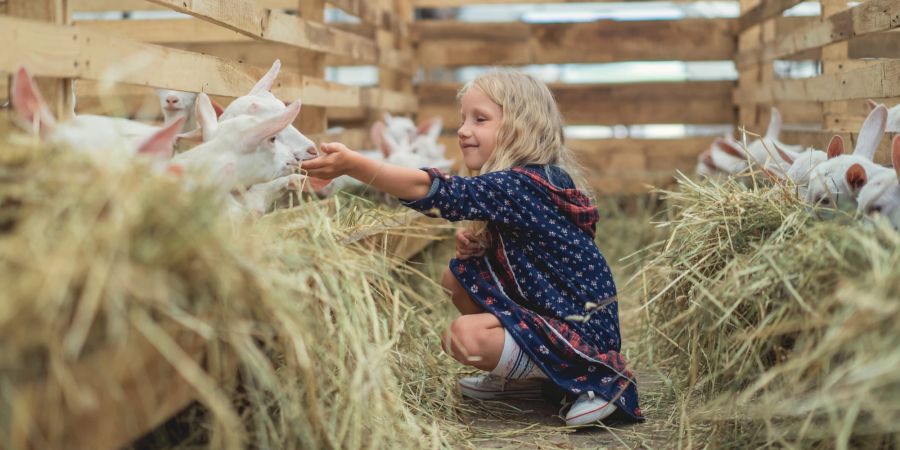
(401, 182)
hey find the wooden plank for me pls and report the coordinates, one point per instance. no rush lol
(70, 52)
(867, 17)
(56, 92)
(819, 139)
(701, 102)
(274, 26)
(312, 120)
(764, 11)
(881, 79)
(143, 5)
(459, 3)
(132, 389)
(875, 45)
(448, 43)
(256, 53)
(628, 165)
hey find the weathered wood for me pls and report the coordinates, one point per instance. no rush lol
(69, 52)
(881, 79)
(57, 92)
(764, 11)
(701, 102)
(274, 26)
(875, 45)
(868, 17)
(143, 5)
(819, 139)
(459, 3)
(258, 53)
(445, 44)
(128, 390)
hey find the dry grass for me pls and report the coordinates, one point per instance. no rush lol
(773, 328)
(331, 351)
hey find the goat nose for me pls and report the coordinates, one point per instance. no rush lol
(172, 100)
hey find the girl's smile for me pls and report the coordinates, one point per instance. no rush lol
(477, 134)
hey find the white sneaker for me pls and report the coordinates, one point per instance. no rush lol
(490, 387)
(589, 409)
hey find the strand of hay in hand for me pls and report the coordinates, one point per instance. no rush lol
(741, 300)
(96, 257)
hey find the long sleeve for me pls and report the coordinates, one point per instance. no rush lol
(504, 197)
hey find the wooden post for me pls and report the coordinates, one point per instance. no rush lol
(753, 117)
(312, 119)
(59, 93)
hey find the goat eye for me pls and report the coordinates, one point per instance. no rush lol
(272, 140)
(875, 209)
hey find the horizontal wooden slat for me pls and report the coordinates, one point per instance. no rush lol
(274, 26)
(458, 3)
(868, 17)
(879, 79)
(875, 45)
(69, 52)
(763, 11)
(445, 43)
(220, 41)
(700, 102)
(819, 139)
(143, 5)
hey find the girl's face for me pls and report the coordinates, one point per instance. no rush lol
(477, 134)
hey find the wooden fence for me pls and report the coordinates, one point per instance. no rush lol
(858, 49)
(227, 45)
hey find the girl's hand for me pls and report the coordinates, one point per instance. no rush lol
(466, 246)
(336, 161)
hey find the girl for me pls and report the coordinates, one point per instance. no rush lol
(537, 298)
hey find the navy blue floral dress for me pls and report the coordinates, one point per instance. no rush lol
(542, 276)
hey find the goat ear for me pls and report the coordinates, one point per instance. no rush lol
(835, 147)
(433, 128)
(162, 143)
(206, 116)
(730, 148)
(871, 104)
(775, 124)
(273, 125)
(895, 155)
(787, 155)
(377, 133)
(30, 107)
(871, 132)
(218, 108)
(856, 177)
(706, 158)
(265, 83)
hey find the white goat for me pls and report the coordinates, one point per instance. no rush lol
(836, 183)
(881, 195)
(89, 133)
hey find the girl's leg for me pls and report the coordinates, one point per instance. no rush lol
(459, 295)
(475, 340)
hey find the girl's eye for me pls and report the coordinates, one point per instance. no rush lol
(481, 119)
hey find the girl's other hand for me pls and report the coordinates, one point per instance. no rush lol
(336, 161)
(467, 246)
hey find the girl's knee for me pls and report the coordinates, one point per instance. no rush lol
(466, 339)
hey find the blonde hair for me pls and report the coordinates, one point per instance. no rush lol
(531, 130)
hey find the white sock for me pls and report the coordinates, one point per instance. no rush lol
(515, 364)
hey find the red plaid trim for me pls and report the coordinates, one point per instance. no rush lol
(572, 202)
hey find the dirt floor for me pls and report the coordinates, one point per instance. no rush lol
(536, 424)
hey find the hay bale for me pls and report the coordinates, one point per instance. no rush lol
(287, 336)
(760, 313)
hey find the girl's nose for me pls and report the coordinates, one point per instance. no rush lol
(463, 131)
